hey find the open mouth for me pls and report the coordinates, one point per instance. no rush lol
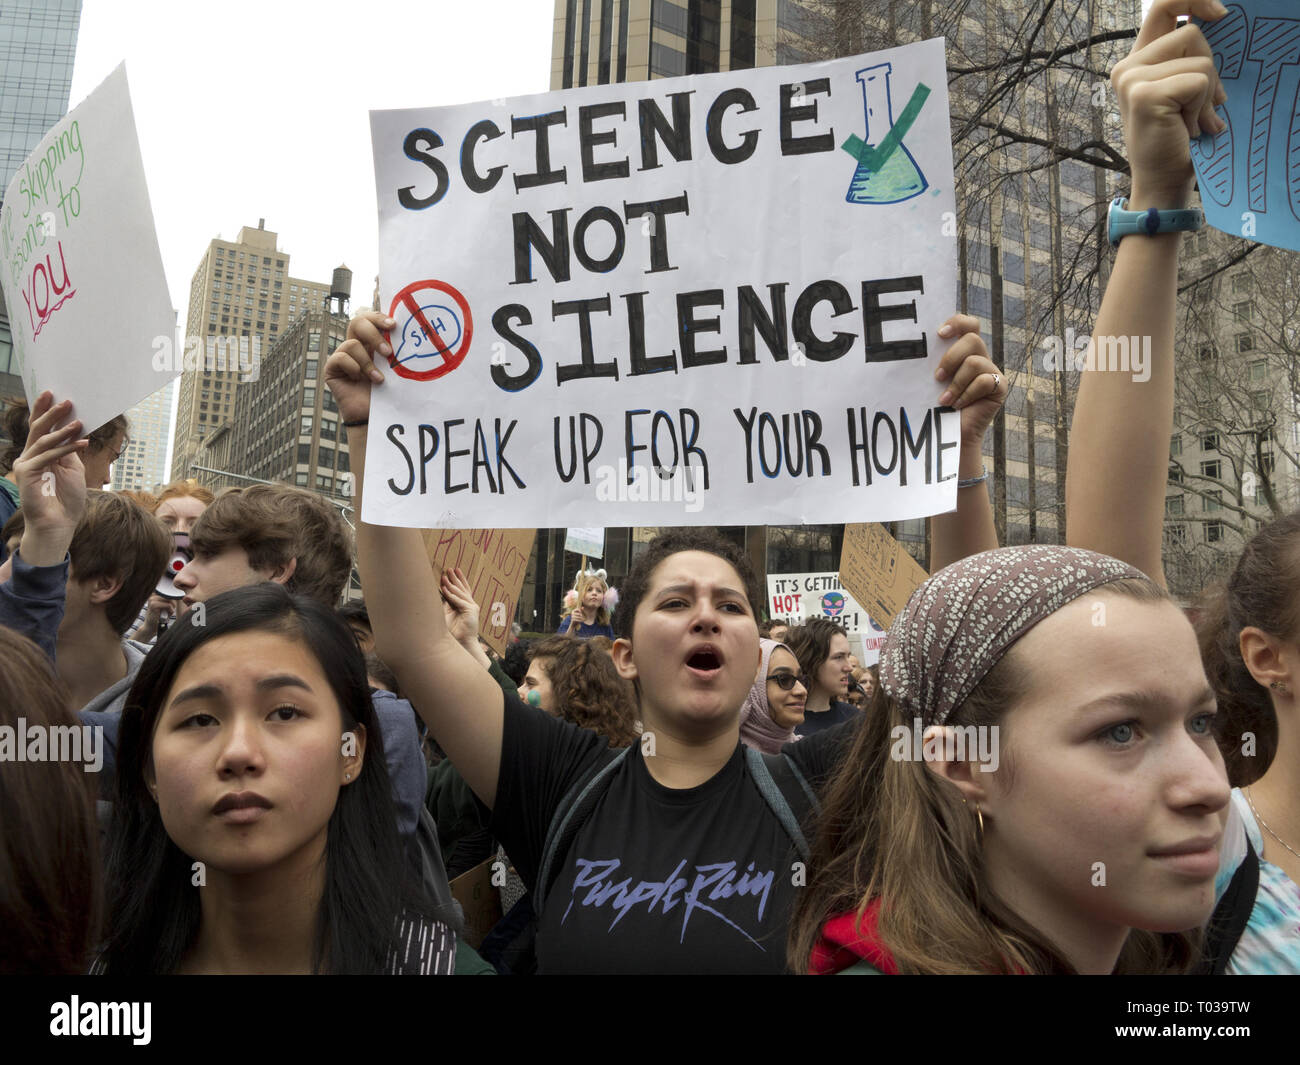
(705, 660)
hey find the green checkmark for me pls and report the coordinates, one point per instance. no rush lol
(875, 158)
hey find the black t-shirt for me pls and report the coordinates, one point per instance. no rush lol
(658, 880)
(838, 713)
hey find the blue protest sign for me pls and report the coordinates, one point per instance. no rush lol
(1250, 173)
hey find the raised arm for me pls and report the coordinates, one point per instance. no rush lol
(459, 701)
(52, 492)
(1119, 443)
(976, 387)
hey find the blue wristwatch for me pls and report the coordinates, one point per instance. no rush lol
(1125, 223)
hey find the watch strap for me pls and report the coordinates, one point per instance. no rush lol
(1123, 223)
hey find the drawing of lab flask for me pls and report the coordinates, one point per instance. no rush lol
(898, 178)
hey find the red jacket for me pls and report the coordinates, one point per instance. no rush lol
(844, 944)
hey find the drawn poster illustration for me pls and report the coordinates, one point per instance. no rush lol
(1249, 174)
(796, 597)
(708, 300)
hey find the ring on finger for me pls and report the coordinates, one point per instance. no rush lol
(996, 379)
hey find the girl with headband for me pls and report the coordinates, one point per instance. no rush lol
(1116, 503)
(1035, 789)
(589, 607)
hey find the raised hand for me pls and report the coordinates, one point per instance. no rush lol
(976, 387)
(351, 371)
(51, 482)
(1168, 89)
(459, 607)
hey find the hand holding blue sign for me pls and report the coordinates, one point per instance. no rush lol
(1167, 88)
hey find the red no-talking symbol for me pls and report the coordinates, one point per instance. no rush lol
(425, 318)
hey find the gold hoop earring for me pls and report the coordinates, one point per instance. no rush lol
(979, 818)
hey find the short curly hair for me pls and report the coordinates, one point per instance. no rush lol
(671, 543)
(587, 688)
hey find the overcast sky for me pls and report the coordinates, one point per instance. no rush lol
(251, 110)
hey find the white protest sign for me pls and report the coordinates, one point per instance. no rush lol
(589, 542)
(83, 277)
(706, 300)
(800, 596)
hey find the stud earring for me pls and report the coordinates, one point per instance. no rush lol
(1280, 687)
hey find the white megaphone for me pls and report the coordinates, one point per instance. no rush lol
(181, 556)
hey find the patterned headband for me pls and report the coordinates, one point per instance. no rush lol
(959, 623)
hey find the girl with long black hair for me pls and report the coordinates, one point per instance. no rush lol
(254, 829)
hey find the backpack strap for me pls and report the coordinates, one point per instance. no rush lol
(1231, 915)
(572, 811)
(786, 793)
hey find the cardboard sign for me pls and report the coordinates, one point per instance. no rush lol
(589, 542)
(800, 596)
(1249, 174)
(709, 300)
(878, 571)
(494, 562)
(480, 900)
(83, 277)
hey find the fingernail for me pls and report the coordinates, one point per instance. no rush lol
(941, 374)
(389, 323)
(1219, 9)
(385, 348)
(1219, 124)
(376, 376)
(946, 399)
(945, 330)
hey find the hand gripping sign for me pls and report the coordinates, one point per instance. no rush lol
(433, 333)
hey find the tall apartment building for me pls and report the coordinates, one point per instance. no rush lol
(286, 426)
(1234, 454)
(38, 41)
(241, 299)
(597, 42)
(1028, 217)
(143, 463)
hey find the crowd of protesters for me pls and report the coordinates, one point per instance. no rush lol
(287, 784)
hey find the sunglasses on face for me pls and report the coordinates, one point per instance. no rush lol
(787, 681)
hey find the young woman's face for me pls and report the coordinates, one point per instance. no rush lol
(833, 677)
(1106, 810)
(249, 754)
(694, 644)
(538, 679)
(179, 513)
(786, 706)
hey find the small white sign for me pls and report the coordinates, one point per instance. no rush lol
(83, 277)
(589, 542)
(797, 597)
